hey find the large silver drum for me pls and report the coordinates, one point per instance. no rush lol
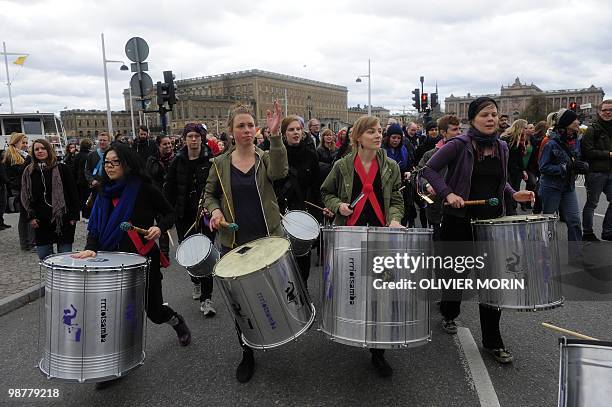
(356, 311)
(585, 373)
(302, 230)
(522, 248)
(263, 289)
(198, 255)
(94, 316)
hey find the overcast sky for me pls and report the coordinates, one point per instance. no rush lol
(466, 46)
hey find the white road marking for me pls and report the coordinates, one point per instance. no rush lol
(480, 375)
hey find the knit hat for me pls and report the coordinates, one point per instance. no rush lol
(479, 104)
(394, 129)
(193, 127)
(565, 117)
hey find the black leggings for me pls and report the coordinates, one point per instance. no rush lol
(157, 312)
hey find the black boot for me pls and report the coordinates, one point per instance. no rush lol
(380, 363)
(246, 367)
(182, 331)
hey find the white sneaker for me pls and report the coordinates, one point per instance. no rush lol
(197, 292)
(206, 307)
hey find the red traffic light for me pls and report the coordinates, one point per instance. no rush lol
(424, 97)
(573, 106)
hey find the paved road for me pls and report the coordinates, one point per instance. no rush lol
(313, 370)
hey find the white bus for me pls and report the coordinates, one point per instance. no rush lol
(34, 125)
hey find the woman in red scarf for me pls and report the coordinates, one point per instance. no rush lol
(371, 181)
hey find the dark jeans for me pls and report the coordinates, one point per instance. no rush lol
(455, 229)
(566, 203)
(515, 182)
(303, 263)
(206, 283)
(47, 249)
(596, 183)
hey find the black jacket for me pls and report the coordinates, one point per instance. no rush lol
(14, 173)
(596, 146)
(145, 149)
(90, 165)
(303, 181)
(42, 188)
(184, 187)
(79, 167)
(157, 171)
(429, 143)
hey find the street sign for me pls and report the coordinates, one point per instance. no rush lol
(137, 49)
(585, 106)
(135, 84)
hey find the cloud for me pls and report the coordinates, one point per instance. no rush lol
(473, 46)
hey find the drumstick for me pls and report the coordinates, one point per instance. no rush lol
(170, 237)
(126, 226)
(568, 332)
(359, 198)
(490, 202)
(314, 206)
(231, 226)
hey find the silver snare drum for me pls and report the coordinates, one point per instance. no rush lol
(585, 373)
(522, 248)
(198, 255)
(263, 289)
(354, 311)
(94, 316)
(302, 229)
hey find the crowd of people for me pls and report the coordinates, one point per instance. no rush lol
(392, 175)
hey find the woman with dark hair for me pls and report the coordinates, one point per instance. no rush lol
(477, 164)
(368, 171)
(70, 156)
(559, 166)
(128, 195)
(247, 172)
(50, 200)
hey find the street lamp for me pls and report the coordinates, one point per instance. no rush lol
(369, 88)
(108, 109)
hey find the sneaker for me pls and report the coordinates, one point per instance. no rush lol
(107, 383)
(206, 307)
(382, 366)
(182, 331)
(501, 355)
(449, 326)
(606, 237)
(590, 237)
(245, 369)
(197, 292)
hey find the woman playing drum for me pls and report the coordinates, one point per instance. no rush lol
(247, 172)
(368, 171)
(477, 169)
(128, 195)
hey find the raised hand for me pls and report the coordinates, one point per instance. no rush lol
(273, 119)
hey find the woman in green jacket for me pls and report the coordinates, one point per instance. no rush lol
(247, 172)
(363, 189)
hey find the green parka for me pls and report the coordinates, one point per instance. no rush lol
(269, 166)
(338, 187)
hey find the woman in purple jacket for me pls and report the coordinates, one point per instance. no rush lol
(477, 164)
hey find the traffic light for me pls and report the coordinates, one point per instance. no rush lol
(169, 81)
(424, 100)
(434, 100)
(573, 106)
(162, 93)
(417, 99)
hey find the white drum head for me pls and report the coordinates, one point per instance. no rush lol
(301, 225)
(251, 257)
(193, 250)
(103, 260)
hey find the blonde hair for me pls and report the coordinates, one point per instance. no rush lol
(513, 133)
(363, 124)
(12, 155)
(235, 111)
(322, 139)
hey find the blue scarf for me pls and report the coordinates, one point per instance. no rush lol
(98, 169)
(105, 220)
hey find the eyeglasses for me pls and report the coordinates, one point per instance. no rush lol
(112, 163)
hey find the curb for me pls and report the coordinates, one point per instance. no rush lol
(18, 300)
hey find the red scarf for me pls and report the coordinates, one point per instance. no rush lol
(144, 249)
(367, 181)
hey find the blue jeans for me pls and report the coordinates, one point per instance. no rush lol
(47, 249)
(566, 202)
(596, 183)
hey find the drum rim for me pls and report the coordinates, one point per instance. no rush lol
(376, 229)
(289, 251)
(575, 342)
(523, 219)
(52, 266)
(210, 248)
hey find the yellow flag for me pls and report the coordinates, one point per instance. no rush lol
(20, 60)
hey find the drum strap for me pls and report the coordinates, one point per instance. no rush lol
(144, 249)
(367, 180)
